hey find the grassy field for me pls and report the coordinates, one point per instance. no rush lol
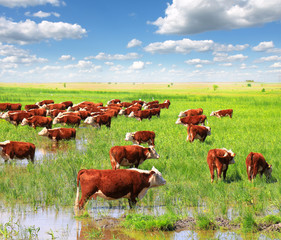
(255, 126)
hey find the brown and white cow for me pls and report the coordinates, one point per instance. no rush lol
(17, 117)
(131, 155)
(38, 112)
(31, 106)
(197, 132)
(5, 115)
(37, 121)
(140, 115)
(54, 113)
(222, 113)
(97, 121)
(140, 137)
(68, 119)
(155, 112)
(4, 106)
(114, 101)
(41, 103)
(15, 106)
(191, 112)
(53, 106)
(255, 163)
(58, 134)
(115, 184)
(126, 112)
(20, 150)
(218, 160)
(138, 102)
(67, 104)
(195, 120)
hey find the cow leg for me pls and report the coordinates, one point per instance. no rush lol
(33, 125)
(132, 202)
(5, 156)
(212, 173)
(219, 171)
(255, 172)
(249, 172)
(224, 173)
(136, 165)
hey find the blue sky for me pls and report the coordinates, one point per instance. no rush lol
(140, 41)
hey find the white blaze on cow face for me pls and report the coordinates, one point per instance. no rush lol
(129, 137)
(5, 115)
(178, 121)
(55, 121)
(213, 113)
(89, 120)
(132, 114)
(24, 122)
(156, 179)
(145, 107)
(60, 115)
(182, 114)
(43, 132)
(152, 153)
(209, 131)
(121, 112)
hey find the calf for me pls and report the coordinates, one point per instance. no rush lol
(140, 115)
(97, 121)
(191, 112)
(68, 119)
(131, 155)
(222, 113)
(58, 134)
(20, 150)
(195, 120)
(37, 121)
(141, 137)
(197, 132)
(219, 159)
(45, 102)
(115, 184)
(255, 163)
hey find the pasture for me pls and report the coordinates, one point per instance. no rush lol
(255, 127)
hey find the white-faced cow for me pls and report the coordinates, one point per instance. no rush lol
(37, 121)
(222, 113)
(68, 119)
(195, 120)
(140, 137)
(115, 184)
(191, 112)
(97, 121)
(140, 115)
(58, 134)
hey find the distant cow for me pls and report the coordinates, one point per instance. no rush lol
(37, 121)
(67, 104)
(131, 155)
(17, 117)
(219, 159)
(99, 120)
(255, 163)
(115, 184)
(15, 106)
(38, 112)
(4, 106)
(195, 120)
(54, 113)
(222, 113)
(140, 115)
(126, 112)
(197, 132)
(191, 112)
(31, 106)
(20, 150)
(58, 134)
(138, 102)
(141, 137)
(53, 106)
(113, 101)
(45, 102)
(68, 119)
(155, 112)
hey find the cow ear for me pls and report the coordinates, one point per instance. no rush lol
(270, 166)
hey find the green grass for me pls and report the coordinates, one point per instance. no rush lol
(255, 127)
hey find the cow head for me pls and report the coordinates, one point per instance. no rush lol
(44, 106)
(5, 115)
(60, 115)
(156, 178)
(131, 115)
(178, 121)
(145, 107)
(24, 122)
(230, 154)
(43, 132)
(182, 114)
(213, 113)
(129, 136)
(89, 120)
(56, 120)
(152, 153)
(268, 171)
(121, 112)
(209, 131)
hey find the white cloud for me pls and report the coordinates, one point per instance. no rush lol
(196, 61)
(31, 32)
(226, 64)
(104, 56)
(224, 57)
(229, 47)
(263, 46)
(191, 17)
(26, 3)
(199, 65)
(66, 58)
(269, 59)
(41, 14)
(276, 65)
(138, 65)
(134, 43)
(109, 63)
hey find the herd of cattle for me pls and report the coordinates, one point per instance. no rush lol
(118, 183)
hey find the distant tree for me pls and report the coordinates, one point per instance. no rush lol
(249, 85)
(263, 90)
(215, 87)
(64, 85)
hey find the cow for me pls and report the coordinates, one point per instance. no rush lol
(57, 134)
(155, 112)
(31, 106)
(68, 119)
(37, 121)
(219, 159)
(126, 112)
(255, 163)
(141, 137)
(97, 121)
(140, 115)
(54, 113)
(39, 112)
(20, 150)
(5, 115)
(53, 106)
(67, 104)
(197, 132)
(114, 101)
(4, 106)
(165, 104)
(191, 112)
(15, 106)
(17, 117)
(115, 184)
(138, 102)
(131, 155)
(195, 120)
(44, 102)
(222, 113)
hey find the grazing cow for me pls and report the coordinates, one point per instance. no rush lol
(141, 137)
(219, 159)
(20, 150)
(17, 117)
(67, 104)
(195, 120)
(97, 121)
(5, 115)
(114, 101)
(165, 104)
(37, 121)
(222, 113)
(4, 106)
(38, 112)
(58, 134)
(54, 113)
(155, 112)
(68, 119)
(115, 184)
(140, 115)
(191, 112)
(31, 106)
(45, 102)
(138, 102)
(197, 132)
(15, 106)
(127, 111)
(53, 106)
(131, 155)
(255, 163)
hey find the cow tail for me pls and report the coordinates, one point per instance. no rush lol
(77, 192)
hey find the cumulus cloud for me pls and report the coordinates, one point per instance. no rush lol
(190, 17)
(66, 58)
(276, 65)
(224, 57)
(138, 65)
(110, 57)
(263, 46)
(26, 3)
(42, 14)
(31, 32)
(134, 43)
(269, 59)
(197, 61)
(84, 66)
